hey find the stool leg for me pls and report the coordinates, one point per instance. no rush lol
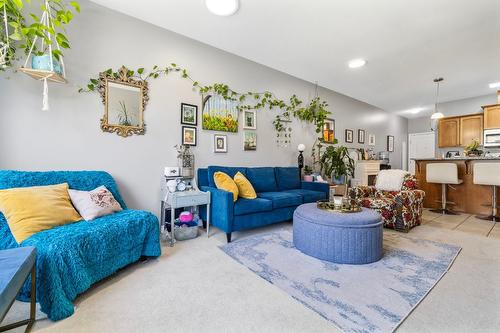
(444, 210)
(493, 217)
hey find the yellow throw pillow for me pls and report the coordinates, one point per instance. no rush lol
(224, 182)
(29, 210)
(244, 186)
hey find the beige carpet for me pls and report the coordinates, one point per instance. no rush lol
(195, 287)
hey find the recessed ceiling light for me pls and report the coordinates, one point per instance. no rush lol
(357, 63)
(222, 7)
(495, 85)
(415, 110)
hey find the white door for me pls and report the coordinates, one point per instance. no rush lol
(420, 145)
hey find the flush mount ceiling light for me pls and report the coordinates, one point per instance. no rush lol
(356, 63)
(415, 110)
(494, 85)
(437, 114)
(222, 7)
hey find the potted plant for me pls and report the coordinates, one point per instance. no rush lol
(336, 163)
(308, 174)
(472, 150)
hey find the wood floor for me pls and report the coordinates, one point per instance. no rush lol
(464, 222)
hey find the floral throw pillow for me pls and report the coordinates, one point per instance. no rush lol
(95, 203)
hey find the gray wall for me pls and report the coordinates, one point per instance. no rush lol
(69, 136)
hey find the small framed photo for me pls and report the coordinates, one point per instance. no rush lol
(220, 143)
(349, 136)
(250, 143)
(250, 119)
(390, 143)
(189, 136)
(361, 136)
(371, 140)
(329, 131)
(189, 114)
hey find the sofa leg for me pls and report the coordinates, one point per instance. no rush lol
(228, 236)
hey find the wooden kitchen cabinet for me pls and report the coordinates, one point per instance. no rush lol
(491, 116)
(471, 128)
(449, 132)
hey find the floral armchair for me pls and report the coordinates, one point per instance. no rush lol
(400, 210)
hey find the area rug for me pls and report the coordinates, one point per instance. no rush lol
(356, 298)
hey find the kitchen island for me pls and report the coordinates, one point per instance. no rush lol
(468, 197)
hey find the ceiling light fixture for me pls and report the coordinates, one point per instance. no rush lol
(222, 7)
(494, 85)
(356, 63)
(415, 110)
(437, 114)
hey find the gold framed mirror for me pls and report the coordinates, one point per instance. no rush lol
(124, 98)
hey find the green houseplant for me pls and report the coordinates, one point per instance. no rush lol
(336, 163)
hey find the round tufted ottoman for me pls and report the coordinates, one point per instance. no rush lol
(344, 238)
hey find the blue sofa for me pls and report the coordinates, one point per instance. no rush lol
(279, 192)
(72, 257)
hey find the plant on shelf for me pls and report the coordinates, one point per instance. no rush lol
(315, 112)
(21, 34)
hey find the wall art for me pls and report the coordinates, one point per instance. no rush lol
(361, 136)
(220, 143)
(250, 119)
(250, 142)
(371, 140)
(189, 136)
(329, 131)
(219, 114)
(189, 114)
(390, 143)
(349, 136)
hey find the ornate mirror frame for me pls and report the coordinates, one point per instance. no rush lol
(123, 77)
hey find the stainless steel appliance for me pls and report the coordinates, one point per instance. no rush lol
(492, 138)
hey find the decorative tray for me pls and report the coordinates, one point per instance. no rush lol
(330, 206)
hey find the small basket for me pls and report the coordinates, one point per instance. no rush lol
(185, 233)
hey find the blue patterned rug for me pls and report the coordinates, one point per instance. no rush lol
(356, 298)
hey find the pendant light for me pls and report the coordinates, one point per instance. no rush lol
(437, 114)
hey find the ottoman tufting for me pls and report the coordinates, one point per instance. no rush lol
(344, 238)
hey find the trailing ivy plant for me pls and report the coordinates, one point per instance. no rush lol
(314, 112)
(22, 34)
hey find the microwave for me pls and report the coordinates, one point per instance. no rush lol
(492, 138)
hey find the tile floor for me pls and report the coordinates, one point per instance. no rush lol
(464, 222)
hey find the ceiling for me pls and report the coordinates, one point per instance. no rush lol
(406, 43)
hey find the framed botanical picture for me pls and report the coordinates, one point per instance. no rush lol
(220, 143)
(189, 136)
(349, 136)
(189, 114)
(329, 131)
(371, 140)
(219, 114)
(361, 136)
(390, 143)
(250, 119)
(250, 142)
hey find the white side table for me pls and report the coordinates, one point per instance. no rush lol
(173, 200)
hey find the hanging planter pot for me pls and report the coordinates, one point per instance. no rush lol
(42, 62)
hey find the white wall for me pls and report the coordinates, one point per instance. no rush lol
(69, 135)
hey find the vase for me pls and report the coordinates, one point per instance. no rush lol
(43, 63)
(308, 178)
(338, 181)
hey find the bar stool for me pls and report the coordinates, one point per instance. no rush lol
(488, 173)
(444, 174)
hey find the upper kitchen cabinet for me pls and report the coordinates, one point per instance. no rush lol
(449, 132)
(491, 116)
(471, 128)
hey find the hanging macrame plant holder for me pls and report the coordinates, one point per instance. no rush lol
(50, 75)
(4, 47)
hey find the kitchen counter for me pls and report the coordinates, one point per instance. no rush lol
(468, 197)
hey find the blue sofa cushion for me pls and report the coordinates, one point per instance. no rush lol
(308, 195)
(262, 179)
(15, 267)
(281, 199)
(287, 178)
(249, 206)
(231, 171)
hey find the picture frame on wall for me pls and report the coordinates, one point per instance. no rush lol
(189, 114)
(361, 136)
(220, 143)
(250, 119)
(349, 136)
(250, 141)
(189, 135)
(371, 140)
(390, 143)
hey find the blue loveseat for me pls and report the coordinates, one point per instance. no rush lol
(279, 192)
(72, 257)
